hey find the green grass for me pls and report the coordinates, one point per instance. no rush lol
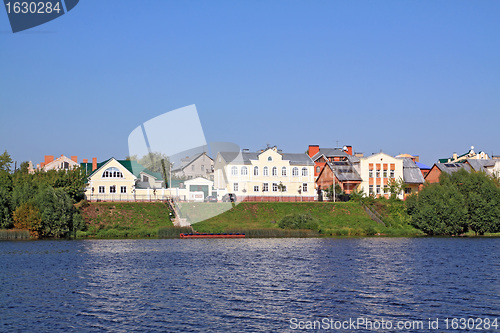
(255, 219)
(124, 220)
(334, 219)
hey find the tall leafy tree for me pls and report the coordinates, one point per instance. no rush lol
(5, 162)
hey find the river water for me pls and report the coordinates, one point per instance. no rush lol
(250, 285)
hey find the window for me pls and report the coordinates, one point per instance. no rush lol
(112, 189)
(266, 171)
(192, 167)
(270, 159)
(244, 171)
(274, 171)
(295, 171)
(112, 173)
(378, 173)
(370, 191)
(318, 169)
(101, 189)
(386, 189)
(275, 187)
(145, 178)
(256, 188)
(283, 171)
(235, 187)
(408, 190)
(256, 171)
(123, 189)
(392, 173)
(370, 174)
(234, 171)
(265, 187)
(202, 167)
(385, 173)
(304, 171)
(304, 187)
(378, 189)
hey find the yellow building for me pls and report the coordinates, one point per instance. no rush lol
(123, 180)
(267, 175)
(376, 171)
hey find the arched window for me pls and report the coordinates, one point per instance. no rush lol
(270, 159)
(112, 173)
(318, 169)
(244, 171)
(304, 171)
(295, 171)
(283, 171)
(275, 171)
(266, 171)
(234, 171)
(256, 171)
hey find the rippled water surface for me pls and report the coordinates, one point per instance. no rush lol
(247, 285)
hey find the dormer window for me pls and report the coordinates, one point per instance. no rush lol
(112, 173)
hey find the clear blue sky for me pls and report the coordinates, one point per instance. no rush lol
(419, 77)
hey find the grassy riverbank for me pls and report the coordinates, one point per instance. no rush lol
(334, 219)
(144, 220)
(124, 219)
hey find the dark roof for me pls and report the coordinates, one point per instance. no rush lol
(247, 157)
(344, 171)
(411, 172)
(133, 166)
(452, 167)
(185, 162)
(480, 165)
(330, 152)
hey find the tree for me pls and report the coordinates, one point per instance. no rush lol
(27, 216)
(56, 211)
(396, 187)
(481, 196)
(5, 162)
(438, 210)
(329, 191)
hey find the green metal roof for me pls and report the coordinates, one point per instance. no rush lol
(133, 166)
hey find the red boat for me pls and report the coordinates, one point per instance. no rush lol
(202, 235)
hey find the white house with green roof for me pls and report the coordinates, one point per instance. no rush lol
(123, 180)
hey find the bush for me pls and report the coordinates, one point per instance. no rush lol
(299, 221)
(28, 217)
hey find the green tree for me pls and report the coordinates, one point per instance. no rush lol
(481, 196)
(27, 216)
(438, 210)
(396, 187)
(56, 211)
(5, 162)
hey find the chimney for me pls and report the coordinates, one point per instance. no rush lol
(455, 156)
(94, 163)
(349, 150)
(85, 160)
(313, 150)
(74, 159)
(48, 159)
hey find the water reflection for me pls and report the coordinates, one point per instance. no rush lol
(242, 285)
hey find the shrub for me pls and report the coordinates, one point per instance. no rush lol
(299, 221)
(28, 217)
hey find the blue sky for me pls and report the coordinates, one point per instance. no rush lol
(419, 77)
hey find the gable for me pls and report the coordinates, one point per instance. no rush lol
(112, 163)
